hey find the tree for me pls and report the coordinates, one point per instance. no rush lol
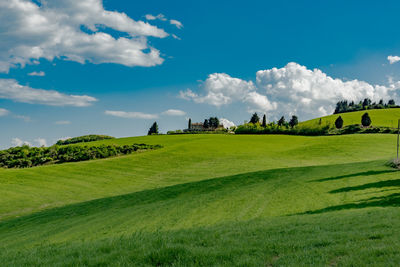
(264, 121)
(365, 120)
(366, 103)
(293, 121)
(339, 122)
(320, 121)
(381, 102)
(153, 129)
(255, 118)
(190, 124)
(206, 124)
(213, 122)
(281, 121)
(391, 102)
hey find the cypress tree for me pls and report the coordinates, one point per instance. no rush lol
(264, 121)
(205, 124)
(281, 121)
(190, 124)
(153, 129)
(339, 122)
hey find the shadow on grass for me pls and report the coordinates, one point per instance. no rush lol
(392, 200)
(387, 183)
(222, 185)
(367, 173)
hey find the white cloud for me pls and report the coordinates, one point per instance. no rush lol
(18, 142)
(35, 73)
(4, 112)
(221, 89)
(62, 122)
(177, 23)
(174, 112)
(176, 37)
(226, 123)
(393, 59)
(71, 30)
(130, 115)
(293, 89)
(41, 142)
(159, 16)
(10, 89)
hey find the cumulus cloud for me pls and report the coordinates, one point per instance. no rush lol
(226, 123)
(130, 115)
(177, 23)
(41, 141)
(292, 89)
(174, 112)
(72, 30)
(35, 73)
(4, 112)
(62, 122)
(11, 89)
(221, 89)
(18, 142)
(393, 59)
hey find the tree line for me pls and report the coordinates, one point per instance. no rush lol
(83, 139)
(350, 106)
(25, 156)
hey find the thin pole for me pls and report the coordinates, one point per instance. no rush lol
(398, 136)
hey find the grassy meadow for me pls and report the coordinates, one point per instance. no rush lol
(209, 200)
(379, 117)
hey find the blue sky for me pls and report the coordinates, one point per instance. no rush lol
(232, 55)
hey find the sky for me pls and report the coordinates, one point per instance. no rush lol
(70, 68)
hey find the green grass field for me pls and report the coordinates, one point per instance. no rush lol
(209, 200)
(379, 117)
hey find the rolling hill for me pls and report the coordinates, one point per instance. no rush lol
(379, 117)
(223, 200)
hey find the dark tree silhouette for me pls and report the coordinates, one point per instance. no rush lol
(190, 124)
(281, 121)
(206, 125)
(153, 129)
(365, 120)
(339, 122)
(293, 121)
(255, 118)
(264, 121)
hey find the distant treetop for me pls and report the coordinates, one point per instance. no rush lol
(347, 106)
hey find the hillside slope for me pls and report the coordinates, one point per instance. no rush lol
(379, 117)
(209, 200)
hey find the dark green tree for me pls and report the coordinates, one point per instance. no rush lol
(281, 121)
(365, 120)
(391, 102)
(206, 125)
(293, 121)
(213, 122)
(264, 121)
(190, 124)
(153, 129)
(320, 121)
(254, 118)
(339, 122)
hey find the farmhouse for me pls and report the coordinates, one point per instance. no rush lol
(199, 126)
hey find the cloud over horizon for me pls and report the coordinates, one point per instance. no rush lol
(130, 115)
(292, 89)
(11, 89)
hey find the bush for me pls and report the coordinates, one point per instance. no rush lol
(365, 120)
(339, 122)
(272, 128)
(25, 156)
(83, 139)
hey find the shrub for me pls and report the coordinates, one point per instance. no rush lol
(25, 156)
(83, 139)
(339, 122)
(365, 120)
